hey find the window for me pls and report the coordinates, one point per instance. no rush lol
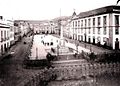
(99, 21)
(1, 36)
(85, 25)
(104, 30)
(73, 23)
(93, 25)
(93, 21)
(104, 25)
(116, 30)
(82, 30)
(76, 23)
(2, 49)
(81, 23)
(81, 26)
(5, 35)
(116, 24)
(78, 30)
(98, 30)
(104, 20)
(116, 20)
(89, 30)
(75, 29)
(89, 22)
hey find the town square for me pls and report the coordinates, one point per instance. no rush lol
(40, 46)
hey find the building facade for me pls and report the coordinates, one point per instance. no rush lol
(11, 26)
(100, 26)
(6, 35)
(23, 26)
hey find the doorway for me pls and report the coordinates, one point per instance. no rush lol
(89, 40)
(5, 47)
(81, 38)
(117, 44)
(93, 40)
(85, 37)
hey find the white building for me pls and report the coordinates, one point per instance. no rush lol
(6, 34)
(100, 26)
(10, 23)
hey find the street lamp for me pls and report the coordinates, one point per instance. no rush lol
(36, 53)
(77, 44)
(58, 50)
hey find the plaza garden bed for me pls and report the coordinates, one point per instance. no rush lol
(106, 57)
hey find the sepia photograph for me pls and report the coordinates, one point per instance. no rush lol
(59, 42)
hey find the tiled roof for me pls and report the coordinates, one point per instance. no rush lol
(99, 11)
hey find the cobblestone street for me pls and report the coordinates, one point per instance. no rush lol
(12, 72)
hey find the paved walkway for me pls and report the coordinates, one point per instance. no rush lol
(86, 47)
(38, 49)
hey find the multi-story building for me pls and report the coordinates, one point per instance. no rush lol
(17, 32)
(44, 26)
(6, 35)
(36, 28)
(11, 25)
(100, 26)
(23, 26)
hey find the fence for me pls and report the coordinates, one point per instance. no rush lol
(65, 72)
(70, 72)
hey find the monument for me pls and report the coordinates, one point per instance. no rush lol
(61, 48)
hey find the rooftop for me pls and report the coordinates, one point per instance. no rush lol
(99, 11)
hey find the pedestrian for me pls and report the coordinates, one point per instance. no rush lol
(90, 49)
(85, 45)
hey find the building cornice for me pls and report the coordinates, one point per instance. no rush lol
(4, 26)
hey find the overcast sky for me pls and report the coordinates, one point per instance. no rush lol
(48, 9)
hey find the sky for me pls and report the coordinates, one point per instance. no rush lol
(48, 9)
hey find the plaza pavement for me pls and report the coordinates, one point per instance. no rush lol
(84, 46)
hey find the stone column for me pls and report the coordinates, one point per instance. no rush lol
(61, 35)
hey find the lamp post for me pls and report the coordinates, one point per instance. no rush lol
(36, 53)
(57, 50)
(77, 44)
